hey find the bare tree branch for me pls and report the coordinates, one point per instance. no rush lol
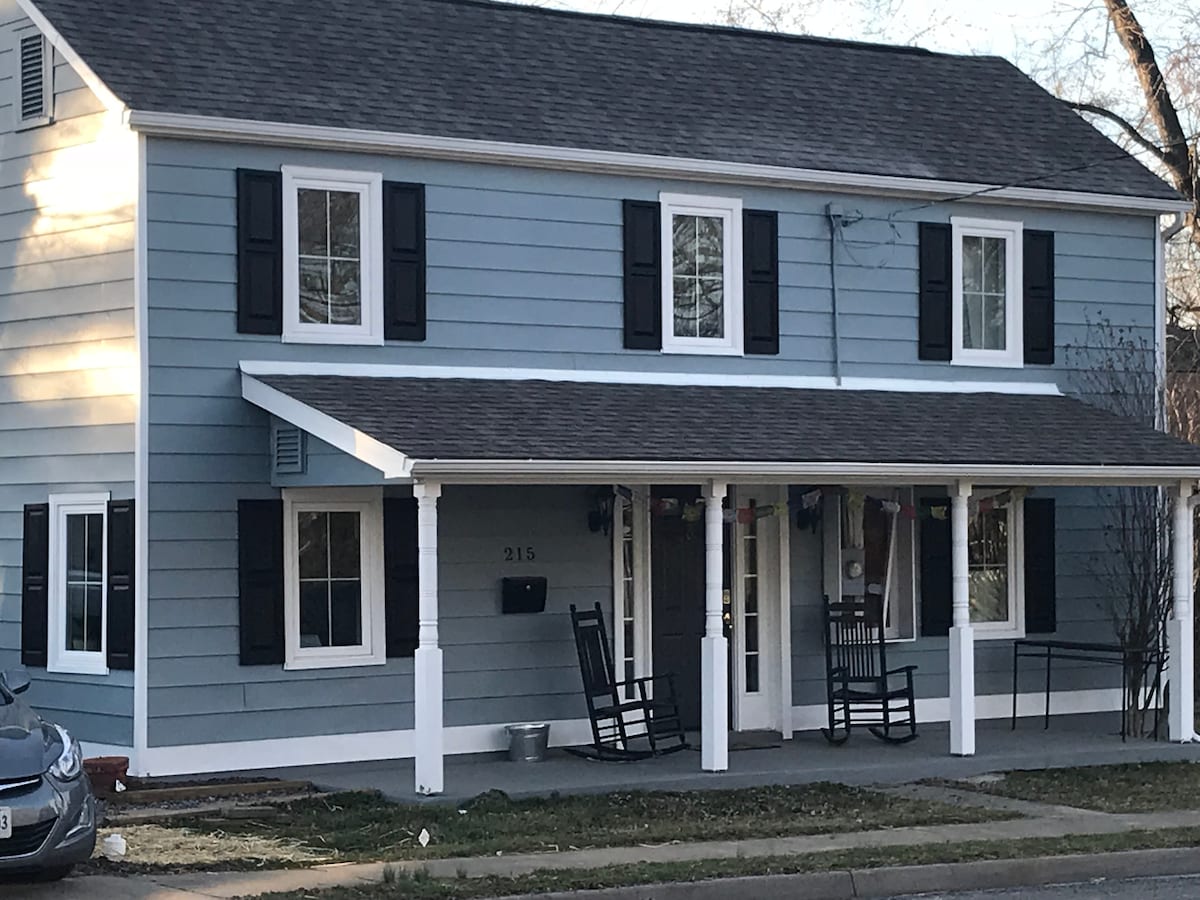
(1177, 156)
(1128, 127)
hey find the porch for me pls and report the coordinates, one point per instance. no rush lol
(1072, 740)
(441, 438)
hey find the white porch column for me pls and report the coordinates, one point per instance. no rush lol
(962, 635)
(714, 650)
(428, 660)
(1181, 662)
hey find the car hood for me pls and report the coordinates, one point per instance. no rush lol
(27, 744)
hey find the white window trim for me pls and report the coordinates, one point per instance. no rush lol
(1014, 627)
(1013, 356)
(369, 187)
(729, 209)
(368, 503)
(20, 124)
(58, 658)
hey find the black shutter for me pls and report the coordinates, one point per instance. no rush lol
(260, 581)
(643, 275)
(403, 261)
(936, 569)
(1038, 311)
(120, 584)
(400, 580)
(1041, 615)
(936, 276)
(35, 566)
(760, 237)
(260, 252)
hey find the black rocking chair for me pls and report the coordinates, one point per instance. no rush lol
(632, 719)
(862, 690)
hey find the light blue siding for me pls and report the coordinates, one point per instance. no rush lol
(68, 365)
(524, 270)
(498, 668)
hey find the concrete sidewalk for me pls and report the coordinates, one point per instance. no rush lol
(1044, 822)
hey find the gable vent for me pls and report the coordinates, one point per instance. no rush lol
(287, 448)
(34, 78)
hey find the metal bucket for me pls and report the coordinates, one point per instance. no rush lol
(527, 743)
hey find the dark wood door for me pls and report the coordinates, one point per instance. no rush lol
(677, 592)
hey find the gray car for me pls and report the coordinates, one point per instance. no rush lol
(47, 809)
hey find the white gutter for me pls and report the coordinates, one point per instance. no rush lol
(468, 471)
(583, 160)
(602, 376)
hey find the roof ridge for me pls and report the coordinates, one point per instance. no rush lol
(733, 30)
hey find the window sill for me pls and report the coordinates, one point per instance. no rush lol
(300, 663)
(78, 666)
(367, 340)
(986, 362)
(701, 350)
(992, 633)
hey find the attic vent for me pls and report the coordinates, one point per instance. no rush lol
(35, 79)
(287, 448)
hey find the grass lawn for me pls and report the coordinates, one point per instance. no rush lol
(421, 887)
(364, 826)
(1126, 788)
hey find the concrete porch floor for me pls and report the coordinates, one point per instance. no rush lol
(1070, 741)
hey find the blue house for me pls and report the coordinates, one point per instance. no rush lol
(318, 321)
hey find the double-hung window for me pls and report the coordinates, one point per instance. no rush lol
(993, 536)
(78, 573)
(333, 272)
(702, 266)
(333, 586)
(986, 299)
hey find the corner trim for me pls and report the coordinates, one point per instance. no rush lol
(578, 159)
(141, 466)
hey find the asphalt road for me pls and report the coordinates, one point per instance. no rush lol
(1174, 887)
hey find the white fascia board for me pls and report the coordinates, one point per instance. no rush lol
(490, 471)
(391, 462)
(110, 100)
(584, 160)
(704, 379)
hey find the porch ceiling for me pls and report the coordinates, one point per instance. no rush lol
(465, 429)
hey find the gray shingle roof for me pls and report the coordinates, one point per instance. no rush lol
(457, 419)
(476, 69)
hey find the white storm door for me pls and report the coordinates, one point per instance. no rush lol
(756, 609)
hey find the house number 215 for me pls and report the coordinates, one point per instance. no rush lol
(519, 554)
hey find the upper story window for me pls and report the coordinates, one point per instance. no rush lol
(34, 82)
(78, 574)
(987, 296)
(702, 284)
(333, 280)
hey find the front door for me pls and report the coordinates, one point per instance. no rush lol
(677, 595)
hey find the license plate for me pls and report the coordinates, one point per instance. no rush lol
(5, 822)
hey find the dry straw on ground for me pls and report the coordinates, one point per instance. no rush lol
(156, 845)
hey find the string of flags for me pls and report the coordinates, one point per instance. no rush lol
(808, 503)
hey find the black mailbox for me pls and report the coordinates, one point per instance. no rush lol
(523, 595)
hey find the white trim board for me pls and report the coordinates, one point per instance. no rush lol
(604, 376)
(584, 160)
(190, 759)
(358, 444)
(141, 464)
(987, 706)
(58, 42)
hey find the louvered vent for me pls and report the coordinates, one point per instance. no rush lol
(33, 78)
(288, 450)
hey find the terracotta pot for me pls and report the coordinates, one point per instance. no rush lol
(104, 772)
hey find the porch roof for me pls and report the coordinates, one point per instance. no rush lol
(458, 427)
